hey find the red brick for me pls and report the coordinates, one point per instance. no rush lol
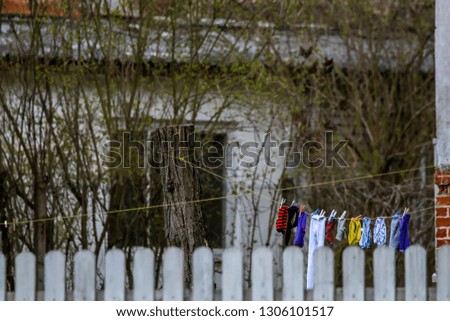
(441, 172)
(442, 212)
(443, 189)
(443, 200)
(441, 233)
(442, 222)
(440, 242)
(442, 180)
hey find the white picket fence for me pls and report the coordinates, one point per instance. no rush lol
(232, 275)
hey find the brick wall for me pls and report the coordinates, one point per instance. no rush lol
(44, 7)
(442, 220)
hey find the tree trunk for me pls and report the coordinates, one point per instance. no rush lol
(6, 244)
(183, 217)
(40, 212)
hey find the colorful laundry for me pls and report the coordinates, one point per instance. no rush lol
(299, 239)
(354, 231)
(395, 231)
(379, 232)
(404, 234)
(282, 219)
(293, 212)
(365, 240)
(322, 231)
(329, 229)
(341, 230)
(316, 240)
(329, 234)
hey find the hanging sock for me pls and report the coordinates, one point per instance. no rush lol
(329, 229)
(364, 242)
(354, 231)
(329, 234)
(291, 222)
(316, 240)
(341, 230)
(404, 234)
(395, 230)
(299, 239)
(379, 232)
(282, 219)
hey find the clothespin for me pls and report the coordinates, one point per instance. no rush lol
(322, 213)
(292, 204)
(6, 224)
(283, 200)
(302, 208)
(405, 211)
(14, 224)
(332, 215)
(343, 214)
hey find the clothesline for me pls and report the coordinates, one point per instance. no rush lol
(374, 218)
(385, 217)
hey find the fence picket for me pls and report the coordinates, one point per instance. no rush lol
(115, 275)
(54, 276)
(353, 273)
(2, 277)
(232, 274)
(415, 273)
(293, 269)
(84, 276)
(262, 274)
(25, 277)
(443, 273)
(384, 274)
(143, 275)
(323, 274)
(173, 274)
(203, 274)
